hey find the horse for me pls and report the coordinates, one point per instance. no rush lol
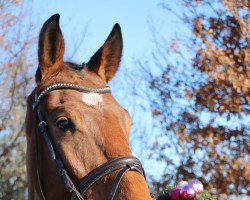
(77, 133)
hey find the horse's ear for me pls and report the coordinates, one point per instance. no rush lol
(50, 47)
(106, 60)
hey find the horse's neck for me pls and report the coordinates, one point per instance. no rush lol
(35, 196)
(30, 164)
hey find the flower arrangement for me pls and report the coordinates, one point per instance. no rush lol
(192, 190)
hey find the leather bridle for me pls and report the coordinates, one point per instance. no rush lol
(121, 164)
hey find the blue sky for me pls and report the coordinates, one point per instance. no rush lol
(100, 16)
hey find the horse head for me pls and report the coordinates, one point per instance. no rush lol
(74, 125)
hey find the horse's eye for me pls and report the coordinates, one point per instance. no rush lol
(63, 123)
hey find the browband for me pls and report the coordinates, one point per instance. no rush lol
(102, 90)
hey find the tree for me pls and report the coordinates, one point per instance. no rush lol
(16, 42)
(202, 96)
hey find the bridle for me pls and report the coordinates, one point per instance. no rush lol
(122, 163)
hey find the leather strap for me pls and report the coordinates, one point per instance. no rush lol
(38, 169)
(69, 86)
(117, 183)
(107, 168)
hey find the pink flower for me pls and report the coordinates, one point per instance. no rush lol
(197, 185)
(174, 194)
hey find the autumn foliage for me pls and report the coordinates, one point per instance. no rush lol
(16, 42)
(203, 103)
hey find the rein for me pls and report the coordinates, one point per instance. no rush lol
(122, 163)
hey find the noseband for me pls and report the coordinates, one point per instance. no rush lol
(121, 164)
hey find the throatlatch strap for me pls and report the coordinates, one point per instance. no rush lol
(38, 168)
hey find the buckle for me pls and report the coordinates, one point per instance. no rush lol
(131, 166)
(42, 125)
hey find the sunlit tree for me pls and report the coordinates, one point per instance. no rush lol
(16, 41)
(202, 96)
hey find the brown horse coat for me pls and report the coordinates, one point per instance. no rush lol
(86, 130)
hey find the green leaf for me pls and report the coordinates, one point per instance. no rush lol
(205, 195)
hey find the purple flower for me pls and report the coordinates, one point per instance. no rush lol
(187, 192)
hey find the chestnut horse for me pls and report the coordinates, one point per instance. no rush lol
(77, 133)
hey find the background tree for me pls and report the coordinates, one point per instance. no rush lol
(16, 41)
(202, 94)
(18, 62)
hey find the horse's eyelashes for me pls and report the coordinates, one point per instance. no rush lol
(64, 124)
